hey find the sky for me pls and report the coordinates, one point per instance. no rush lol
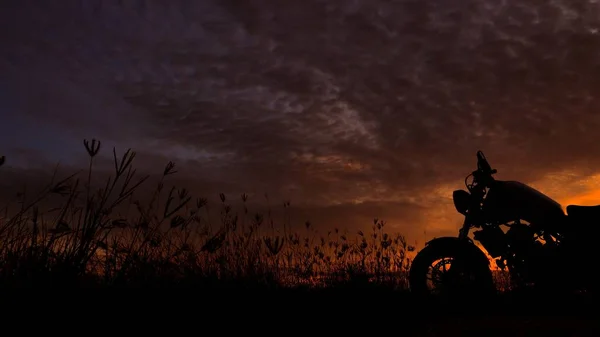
(351, 110)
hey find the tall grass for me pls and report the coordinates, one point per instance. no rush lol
(169, 239)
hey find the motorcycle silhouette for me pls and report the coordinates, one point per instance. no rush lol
(523, 230)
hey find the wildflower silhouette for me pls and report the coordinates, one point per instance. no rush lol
(109, 236)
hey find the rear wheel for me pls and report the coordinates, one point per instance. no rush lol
(449, 270)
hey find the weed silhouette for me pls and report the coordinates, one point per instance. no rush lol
(87, 241)
(170, 241)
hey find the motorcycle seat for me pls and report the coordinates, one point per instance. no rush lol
(578, 211)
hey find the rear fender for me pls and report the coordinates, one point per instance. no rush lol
(466, 246)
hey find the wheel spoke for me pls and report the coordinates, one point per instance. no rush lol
(444, 275)
(446, 271)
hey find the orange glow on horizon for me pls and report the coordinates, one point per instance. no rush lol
(569, 188)
(591, 198)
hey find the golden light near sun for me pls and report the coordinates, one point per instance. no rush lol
(568, 187)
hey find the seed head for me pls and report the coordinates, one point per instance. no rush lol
(93, 148)
(169, 169)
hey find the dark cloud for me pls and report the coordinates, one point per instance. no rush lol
(346, 107)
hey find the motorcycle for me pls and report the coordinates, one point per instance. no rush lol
(524, 231)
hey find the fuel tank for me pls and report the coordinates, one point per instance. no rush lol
(512, 200)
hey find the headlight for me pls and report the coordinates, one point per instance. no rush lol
(461, 201)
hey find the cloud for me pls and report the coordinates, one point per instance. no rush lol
(325, 102)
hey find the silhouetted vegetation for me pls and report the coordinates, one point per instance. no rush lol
(170, 240)
(108, 237)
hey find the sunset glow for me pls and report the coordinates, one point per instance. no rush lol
(348, 121)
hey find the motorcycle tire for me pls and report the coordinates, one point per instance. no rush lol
(481, 283)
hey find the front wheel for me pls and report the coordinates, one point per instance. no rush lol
(450, 270)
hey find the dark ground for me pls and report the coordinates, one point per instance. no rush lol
(333, 312)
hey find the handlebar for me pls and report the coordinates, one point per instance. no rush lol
(483, 173)
(482, 163)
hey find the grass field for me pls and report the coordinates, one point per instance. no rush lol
(73, 235)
